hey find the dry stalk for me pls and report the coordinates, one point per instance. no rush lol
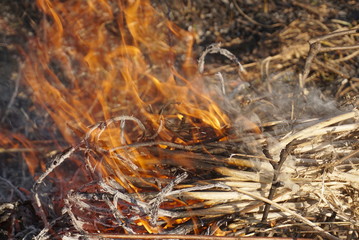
(174, 236)
(311, 131)
(294, 214)
(57, 161)
(43, 234)
(339, 161)
(14, 94)
(60, 158)
(216, 48)
(251, 20)
(307, 7)
(15, 189)
(19, 150)
(235, 204)
(275, 183)
(316, 47)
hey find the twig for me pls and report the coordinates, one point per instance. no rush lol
(223, 87)
(148, 144)
(332, 69)
(251, 20)
(57, 161)
(278, 197)
(175, 236)
(339, 161)
(342, 90)
(16, 150)
(336, 129)
(316, 47)
(307, 7)
(216, 48)
(245, 175)
(275, 184)
(9, 206)
(333, 34)
(346, 58)
(294, 214)
(20, 194)
(14, 94)
(313, 51)
(103, 125)
(42, 235)
(118, 215)
(141, 206)
(190, 190)
(341, 48)
(311, 131)
(166, 191)
(160, 127)
(67, 209)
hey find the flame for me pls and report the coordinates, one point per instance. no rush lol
(17, 143)
(96, 60)
(120, 74)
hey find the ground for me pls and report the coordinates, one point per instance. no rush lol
(269, 38)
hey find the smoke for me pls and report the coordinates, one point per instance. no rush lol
(278, 108)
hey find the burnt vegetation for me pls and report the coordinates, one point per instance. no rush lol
(283, 162)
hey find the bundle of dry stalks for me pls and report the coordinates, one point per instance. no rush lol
(298, 177)
(286, 167)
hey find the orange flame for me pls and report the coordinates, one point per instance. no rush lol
(95, 60)
(123, 64)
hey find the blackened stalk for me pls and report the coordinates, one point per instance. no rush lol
(275, 183)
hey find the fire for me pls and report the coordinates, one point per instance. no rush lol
(95, 60)
(121, 76)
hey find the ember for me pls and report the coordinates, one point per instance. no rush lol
(151, 144)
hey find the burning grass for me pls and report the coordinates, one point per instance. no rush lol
(158, 147)
(300, 180)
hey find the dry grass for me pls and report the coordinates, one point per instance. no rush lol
(297, 177)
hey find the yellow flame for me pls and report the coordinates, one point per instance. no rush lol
(95, 60)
